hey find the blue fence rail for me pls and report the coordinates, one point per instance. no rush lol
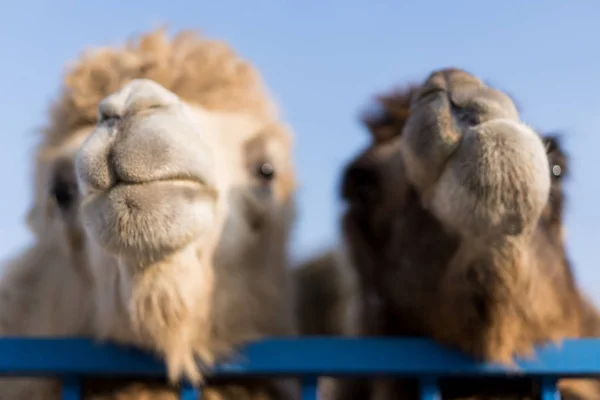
(307, 358)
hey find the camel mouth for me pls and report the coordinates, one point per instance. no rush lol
(158, 191)
(186, 181)
(189, 188)
(191, 182)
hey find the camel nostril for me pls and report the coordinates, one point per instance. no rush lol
(108, 118)
(108, 112)
(466, 115)
(361, 184)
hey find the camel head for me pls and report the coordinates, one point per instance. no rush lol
(158, 175)
(406, 155)
(166, 171)
(434, 134)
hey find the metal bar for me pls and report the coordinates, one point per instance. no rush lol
(310, 388)
(549, 390)
(71, 388)
(188, 392)
(297, 357)
(429, 389)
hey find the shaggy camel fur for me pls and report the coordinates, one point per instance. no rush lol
(454, 226)
(165, 225)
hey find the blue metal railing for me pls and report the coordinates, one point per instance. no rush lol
(307, 358)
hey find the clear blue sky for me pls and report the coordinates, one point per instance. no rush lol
(324, 60)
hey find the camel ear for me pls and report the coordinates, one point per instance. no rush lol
(385, 120)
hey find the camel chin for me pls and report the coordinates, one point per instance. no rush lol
(145, 173)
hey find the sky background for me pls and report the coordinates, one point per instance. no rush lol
(323, 61)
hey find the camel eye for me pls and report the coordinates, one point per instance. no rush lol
(361, 185)
(64, 192)
(556, 170)
(266, 171)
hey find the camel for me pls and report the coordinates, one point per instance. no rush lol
(163, 202)
(454, 227)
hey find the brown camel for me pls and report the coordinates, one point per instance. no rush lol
(454, 226)
(164, 197)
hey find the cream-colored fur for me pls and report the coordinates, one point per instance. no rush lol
(175, 240)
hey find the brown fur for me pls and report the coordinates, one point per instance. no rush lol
(490, 283)
(324, 286)
(57, 288)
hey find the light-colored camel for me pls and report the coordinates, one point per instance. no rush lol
(165, 225)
